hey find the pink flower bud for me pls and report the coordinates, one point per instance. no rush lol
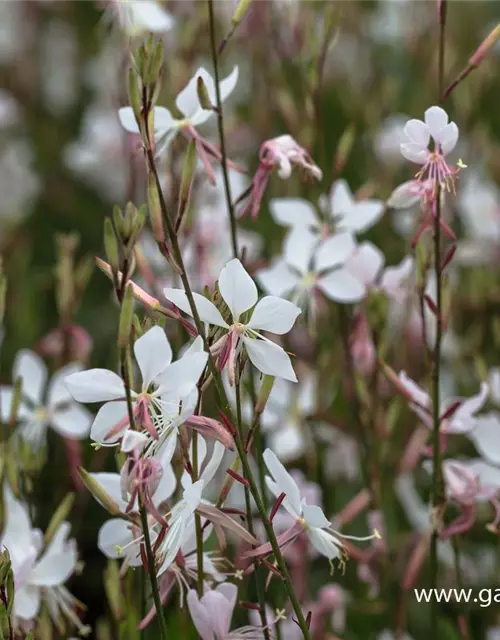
(361, 345)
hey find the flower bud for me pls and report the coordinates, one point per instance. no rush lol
(98, 492)
(113, 589)
(111, 245)
(188, 173)
(264, 393)
(202, 92)
(155, 63)
(155, 214)
(60, 515)
(361, 346)
(134, 95)
(344, 147)
(127, 311)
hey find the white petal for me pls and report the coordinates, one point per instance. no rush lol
(213, 464)
(362, 216)
(418, 132)
(111, 484)
(486, 436)
(72, 421)
(284, 481)
(298, 249)
(341, 286)
(418, 394)
(207, 311)
(199, 615)
(133, 441)
(365, 264)
(404, 196)
(334, 251)
(436, 119)
(127, 119)
(163, 122)
(27, 602)
(464, 419)
(182, 376)
(95, 385)
(113, 534)
(237, 288)
(270, 359)
(314, 516)
(448, 138)
(488, 475)
(153, 353)
(58, 392)
(414, 153)
(494, 382)
(57, 563)
(107, 417)
(274, 314)
(150, 16)
(291, 212)
(341, 199)
(31, 368)
(278, 279)
(323, 542)
(187, 101)
(228, 85)
(6, 399)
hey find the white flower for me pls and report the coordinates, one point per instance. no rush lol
(270, 314)
(39, 410)
(166, 126)
(486, 436)
(138, 17)
(344, 212)
(38, 573)
(156, 406)
(337, 267)
(311, 517)
(418, 135)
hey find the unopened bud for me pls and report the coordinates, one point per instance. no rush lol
(97, 490)
(155, 63)
(485, 47)
(344, 147)
(134, 95)
(203, 97)
(154, 206)
(112, 586)
(60, 515)
(188, 173)
(264, 393)
(111, 245)
(126, 314)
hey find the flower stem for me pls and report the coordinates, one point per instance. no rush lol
(436, 360)
(220, 125)
(197, 519)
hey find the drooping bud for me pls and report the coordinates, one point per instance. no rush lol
(202, 92)
(264, 393)
(188, 173)
(97, 490)
(361, 346)
(111, 245)
(211, 428)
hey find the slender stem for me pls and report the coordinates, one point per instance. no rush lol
(197, 520)
(240, 446)
(220, 125)
(436, 360)
(259, 584)
(152, 572)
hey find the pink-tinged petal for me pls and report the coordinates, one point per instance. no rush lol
(341, 286)
(219, 611)
(31, 368)
(463, 419)
(293, 212)
(416, 392)
(278, 279)
(72, 421)
(199, 616)
(341, 199)
(314, 516)
(362, 216)
(404, 196)
(133, 441)
(487, 474)
(109, 416)
(298, 249)
(237, 288)
(448, 138)
(395, 279)
(275, 315)
(486, 436)
(284, 482)
(365, 264)
(414, 153)
(127, 119)
(95, 385)
(207, 311)
(334, 251)
(436, 120)
(27, 602)
(153, 353)
(269, 358)
(418, 132)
